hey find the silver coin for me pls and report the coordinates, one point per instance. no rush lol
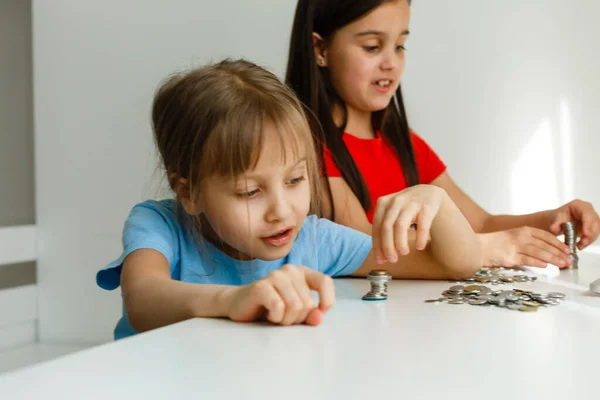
(478, 302)
(456, 301)
(485, 290)
(557, 295)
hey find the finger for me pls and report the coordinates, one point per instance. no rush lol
(388, 230)
(406, 217)
(424, 222)
(592, 234)
(523, 259)
(303, 291)
(556, 228)
(269, 298)
(550, 240)
(315, 317)
(585, 213)
(557, 254)
(544, 252)
(323, 285)
(287, 291)
(378, 216)
(583, 243)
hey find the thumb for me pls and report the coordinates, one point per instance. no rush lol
(315, 317)
(556, 228)
(323, 284)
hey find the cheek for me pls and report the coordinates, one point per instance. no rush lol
(301, 200)
(352, 74)
(228, 218)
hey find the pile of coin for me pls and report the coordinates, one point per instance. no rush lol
(498, 276)
(571, 241)
(378, 279)
(515, 299)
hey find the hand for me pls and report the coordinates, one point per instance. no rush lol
(283, 297)
(585, 217)
(524, 246)
(396, 213)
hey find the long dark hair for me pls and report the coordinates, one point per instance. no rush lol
(314, 88)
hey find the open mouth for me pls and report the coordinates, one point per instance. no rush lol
(279, 239)
(383, 83)
(279, 235)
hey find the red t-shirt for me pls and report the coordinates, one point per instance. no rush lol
(381, 168)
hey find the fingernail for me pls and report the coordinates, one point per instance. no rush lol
(379, 260)
(393, 259)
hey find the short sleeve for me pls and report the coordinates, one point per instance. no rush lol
(429, 164)
(342, 250)
(149, 226)
(331, 170)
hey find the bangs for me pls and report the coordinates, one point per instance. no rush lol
(236, 144)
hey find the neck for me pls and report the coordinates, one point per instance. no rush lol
(359, 123)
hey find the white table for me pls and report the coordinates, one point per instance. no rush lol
(400, 348)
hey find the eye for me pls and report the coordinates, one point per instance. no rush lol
(371, 49)
(248, 195)
(296, 181)
(400, 48)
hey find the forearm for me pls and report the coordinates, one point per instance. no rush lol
(495, 223)
(454, 251)
(454, 245)
(153, 302)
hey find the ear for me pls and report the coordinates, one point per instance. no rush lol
(184, 194)
(320, 50)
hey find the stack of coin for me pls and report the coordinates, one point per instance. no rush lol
(378, 279)
(515, 299)
(571, 241)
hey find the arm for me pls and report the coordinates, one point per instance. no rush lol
(153, 299)
(454, 250)
(484, 222)
(348, 210)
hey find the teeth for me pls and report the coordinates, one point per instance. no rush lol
(383, 83)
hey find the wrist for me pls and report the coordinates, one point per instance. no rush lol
(545, 219)
(484, 239)
(224, 300)
(212, 303)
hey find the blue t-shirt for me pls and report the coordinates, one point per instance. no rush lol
(322, 245)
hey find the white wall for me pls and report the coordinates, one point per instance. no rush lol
(96, 66)
(509, 78)
(507, 92)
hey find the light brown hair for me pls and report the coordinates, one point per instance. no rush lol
(210, 121)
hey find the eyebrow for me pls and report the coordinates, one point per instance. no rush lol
(300, 161)
(378, 33)
(291, 168)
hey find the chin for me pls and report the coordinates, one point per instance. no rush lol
(379, 105)
(276, 254)
(267, 254)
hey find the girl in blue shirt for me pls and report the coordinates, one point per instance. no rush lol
(241, 239)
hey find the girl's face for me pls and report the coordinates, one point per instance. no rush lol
(365, 58)
(259, 213)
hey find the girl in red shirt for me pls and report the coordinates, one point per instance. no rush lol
(345, 63)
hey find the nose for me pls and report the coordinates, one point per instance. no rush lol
(279, 206)
(392, 59)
